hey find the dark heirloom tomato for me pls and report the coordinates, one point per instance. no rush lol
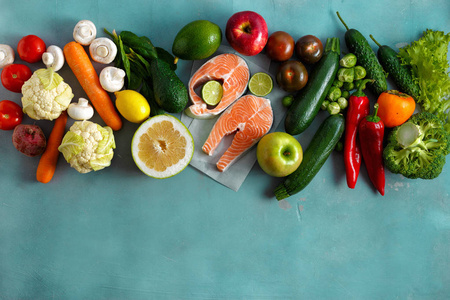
(292, 76)
(280, 46)
(13, 77)
(309, 49)
(10, 115)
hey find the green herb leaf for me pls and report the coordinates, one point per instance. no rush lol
(141, 45)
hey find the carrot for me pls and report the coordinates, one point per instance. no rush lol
(80, 64)
(49, 159)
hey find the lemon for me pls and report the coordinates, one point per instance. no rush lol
(260, 84)
(212, 92)
(132, 106)
(162, 146)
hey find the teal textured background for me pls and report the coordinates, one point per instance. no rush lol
(117, 234)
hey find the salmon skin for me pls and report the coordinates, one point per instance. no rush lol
(231, 71)
(250, 118)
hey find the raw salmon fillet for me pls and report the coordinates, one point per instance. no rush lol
(250, 117)
(229, 69)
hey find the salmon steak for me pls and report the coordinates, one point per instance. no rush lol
(231, 71)
(250, 118)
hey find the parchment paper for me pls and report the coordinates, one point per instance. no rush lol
(235, 175)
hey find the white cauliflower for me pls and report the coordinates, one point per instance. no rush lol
(88, 147)
(45, 95)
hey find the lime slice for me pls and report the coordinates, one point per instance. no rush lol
(162, 146)
(260, 84)
(212, 92)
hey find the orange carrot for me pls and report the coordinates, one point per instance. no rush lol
(80, 64)
(47, 163)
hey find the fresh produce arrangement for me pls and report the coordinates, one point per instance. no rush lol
(407, 133)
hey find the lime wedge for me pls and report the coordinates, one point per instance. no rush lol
(260, 84)
(212, 92)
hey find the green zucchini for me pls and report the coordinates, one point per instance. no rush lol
(308, 100)
(400, 74)
(319, 149)
(358, 45)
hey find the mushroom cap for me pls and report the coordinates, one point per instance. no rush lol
(6, 55)
(84, 32)
(103, 50)
(112, 79)
(53, 58)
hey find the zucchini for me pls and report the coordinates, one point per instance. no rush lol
(400, 74)
(308, 100)
(319, 149)
(358, 45)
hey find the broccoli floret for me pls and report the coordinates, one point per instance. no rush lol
(417, 148)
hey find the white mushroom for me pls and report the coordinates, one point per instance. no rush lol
(81, 110)
(6, 55)
(84, 32)
(53, 58)
(103, 50)
(112, 79)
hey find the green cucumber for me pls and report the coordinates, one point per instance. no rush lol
(308, 100)
(358, 45)
(319, 149)
(400, 74)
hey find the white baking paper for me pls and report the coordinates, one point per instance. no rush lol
(235, 175)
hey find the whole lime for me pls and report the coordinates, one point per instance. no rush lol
(197, 40)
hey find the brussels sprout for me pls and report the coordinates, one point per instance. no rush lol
(333, 108)
(348, 61)
(345, 94)
(360, 73)
(334, 93)
(325, 104)
(338, 83)
(346, 74)
(348, 86)
(342, 102)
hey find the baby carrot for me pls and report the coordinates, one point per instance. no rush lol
(49, 159)
(80, 64)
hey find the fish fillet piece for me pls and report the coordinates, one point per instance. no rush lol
(231, 71)
(250, 118)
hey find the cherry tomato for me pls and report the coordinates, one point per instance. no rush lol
(31, 48)
(280, 46)
(10, 115)
(309, 49)
(14, 75)
(292, 76)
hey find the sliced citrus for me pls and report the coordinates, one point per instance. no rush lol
(260, 84)
(162, 146)
(212, 92)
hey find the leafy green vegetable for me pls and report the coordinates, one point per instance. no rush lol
(430, 69)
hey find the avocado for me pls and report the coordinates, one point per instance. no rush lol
(197, 40)
(170, 92)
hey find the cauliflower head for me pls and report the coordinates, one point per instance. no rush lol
(45, 95)
(88, 146)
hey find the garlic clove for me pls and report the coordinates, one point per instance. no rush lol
(6, 55)
(84, 32)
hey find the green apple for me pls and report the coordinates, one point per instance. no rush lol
(279, 154)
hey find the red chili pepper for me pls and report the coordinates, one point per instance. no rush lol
(358, 109)
(371, 134)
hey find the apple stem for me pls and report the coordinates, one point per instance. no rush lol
(286, 153)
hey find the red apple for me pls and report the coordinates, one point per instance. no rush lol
(247, 32)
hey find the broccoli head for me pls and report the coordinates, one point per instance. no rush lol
(417, 148)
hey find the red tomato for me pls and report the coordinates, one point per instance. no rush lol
(14, 75)
(31, 48)
(10, 115)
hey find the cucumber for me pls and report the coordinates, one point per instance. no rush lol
(319, 149)
(400, 74)
(358, 45)
(308, 100)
